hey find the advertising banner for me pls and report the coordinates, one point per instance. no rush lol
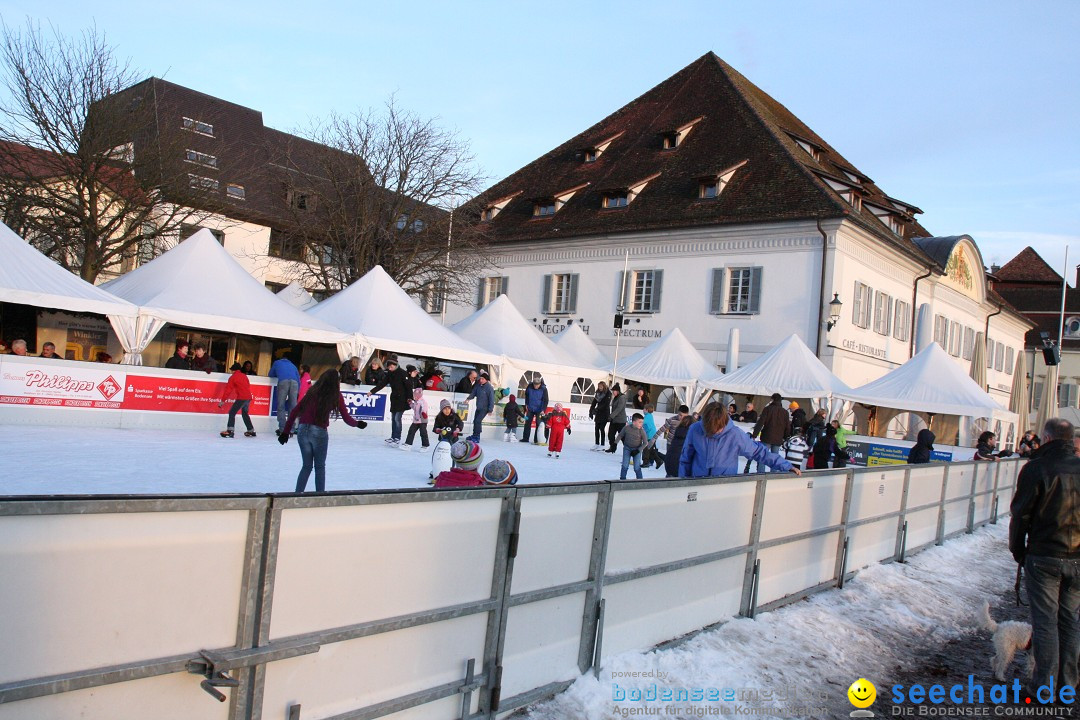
(50, 384)
(368, 408)
(170, 394)
(867, 454)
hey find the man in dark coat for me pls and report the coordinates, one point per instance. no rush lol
(536, 401)
(749, 415)
(798, 418)
(774, 425)
(465, 384)
(1044, 535)
(401, 388)
(350, 371)
(485, 403)
(618, 417)
(924, 445)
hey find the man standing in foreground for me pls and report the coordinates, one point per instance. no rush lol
(1044, 535)
(288, 387)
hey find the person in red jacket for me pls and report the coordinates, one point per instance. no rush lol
(238, 388)
(557, 422)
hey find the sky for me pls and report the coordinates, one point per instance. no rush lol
(966, 109)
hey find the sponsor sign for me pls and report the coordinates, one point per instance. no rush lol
(171, 394)
(368, 408)
(50, 385)
(871, 453)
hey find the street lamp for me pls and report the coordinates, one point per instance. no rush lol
(834, 312)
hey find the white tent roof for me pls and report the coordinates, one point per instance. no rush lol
(671, 360)
(789, 369)
(198, 284)
(29, 278)
(929, 382)
(580, 346)
(297, 296)
(375, 306)
(500, 328)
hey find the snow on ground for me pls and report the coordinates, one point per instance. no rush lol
(881, 622)
(46, 460)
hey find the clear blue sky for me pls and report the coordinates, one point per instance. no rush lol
(967, 109)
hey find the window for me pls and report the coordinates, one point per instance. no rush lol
(882, 312)
(187, 231)
(969, 343)
(591, 154)
(433, 297)
(490, 211)
(671, 139)
(582, 391)
(1036, 395)
(274, 287)
(810, 149)
(489, 289)
(736, 290)
(560, 294)
(902, 321)
(621, 197)
(941, 331)
(403, 222)
(285, 246)
(616, 200)
(1068, 394)
(852, 198)
(301, 201)
(203, 183)
(146, 243)
(711, 186)
(236, 192)
(862, 306)
(544, 208)
(198, 126)
(200, 158)
(641, 290)
(1010, 360)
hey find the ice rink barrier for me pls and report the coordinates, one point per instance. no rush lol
(466, 603)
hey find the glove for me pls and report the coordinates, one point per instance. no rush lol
(283, 437)
(567, 429)
(361, 424)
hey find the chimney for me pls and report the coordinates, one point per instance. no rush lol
(994, 269)
(1076, 280)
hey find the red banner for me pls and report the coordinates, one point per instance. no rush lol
(183, 395)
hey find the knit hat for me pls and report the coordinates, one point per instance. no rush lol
(466, 454)
(392, 360)
(418, 393)
(793, 406)
(410, 368)
(500, 472)
(444, 404)
(484, 374)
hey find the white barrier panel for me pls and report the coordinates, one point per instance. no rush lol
(796, 566)
(556, 535)
(166, 697)
(924, 486)
(338, 566)
(641, 613)
(1009, 472)
(353, 674)
(959, 481)
(922, 527)
(871, 543)
(956, 516)
(658, 525)
(542, 642)
(120, 587)
(795, 505)
(875, 493)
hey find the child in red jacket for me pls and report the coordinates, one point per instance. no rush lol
(239, 388)
(557, 422)
(467, 457)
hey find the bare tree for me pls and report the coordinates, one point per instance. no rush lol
(69, 177)
(376, 188)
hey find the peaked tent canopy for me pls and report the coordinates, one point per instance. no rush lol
(378, 308)
(29, 278)
(930, 382)
(580, 346)
(500, 328)
(297, 296)
(671, 360)
(790, 369)
(198, 284)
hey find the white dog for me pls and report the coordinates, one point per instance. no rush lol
(1009, 637)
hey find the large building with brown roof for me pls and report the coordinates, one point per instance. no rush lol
(730, 213)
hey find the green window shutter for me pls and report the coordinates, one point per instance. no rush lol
(658, 289)
(755, 290)
(716, 305)
(546, 307)
(573, 294)
(480, 294)
(505, 286)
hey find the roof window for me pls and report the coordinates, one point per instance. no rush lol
(671, 139)
(621, 197)
(591, 154)
(547, 206)
(710, 186)
(492, 209)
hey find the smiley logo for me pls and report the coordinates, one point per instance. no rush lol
(862, 693)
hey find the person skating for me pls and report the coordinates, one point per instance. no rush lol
(773, 426)
(798, 418)
(536, 401)
(288, 387)
(305, 382)
(618, 416)
(447, 424)
(311, 416)
(600, 413)
(485, 403)
(419, 421)
(650, 454)
(713, 447)
(676, 440)
(512, 414)
(400, 395)
(633, 440)
(558, 422)
(239, 390)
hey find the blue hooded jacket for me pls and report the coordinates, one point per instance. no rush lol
(536, 398)
(485, 397)
(718, 454)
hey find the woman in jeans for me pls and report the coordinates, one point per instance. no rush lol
(312, 416)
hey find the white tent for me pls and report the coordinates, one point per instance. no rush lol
(790, 369)
(297, 296)
(671, 360)
(376, 307)
(500, 328)
(580, 346)
(198, 284)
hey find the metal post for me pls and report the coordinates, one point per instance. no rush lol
(749, 594)
(466, 697)
(597, 562)
(901, 528)
(842, 541)
(941, 508)
(599, 640)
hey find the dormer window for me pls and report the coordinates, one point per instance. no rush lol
(812, 149)
(591, 154)
(852, 177)
(888, 216)
(616, 199)
(671, 139)
(490, 211)
(710, 186)
(544, 208)
(852, 198)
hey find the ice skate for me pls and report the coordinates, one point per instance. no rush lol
(226, 433)
(556, 456)
(422, 448)
(249, 433)
(405, 446)
(549, 454)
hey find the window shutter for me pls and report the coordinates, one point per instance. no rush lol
(888, 317)
(755, 290)
(572, 303)
(658, 289)
(480, 293)
(546, 307)
(505, 286)
(622, 291)
(856, 307)
(717, 303)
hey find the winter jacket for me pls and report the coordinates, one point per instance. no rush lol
(841, 437)
(670, 425)
(650, 426)
(826, 449)
(717, 455)
(632, 437)
(306, 413)
(536, 398)
(1046, 507)
(814, 430)
(464, 385)
(206, 364)
(374, 376)
(774, 425)
(798, 419)
(512, 413)
(349, 375)
(447, 427)
(283, 369)
(556, 421)
(618, 409)
(238, 387)
(600, 410)
(676, 441)
(178, 363)
(433, 382)
(749, 416)
(305, 385)
(459, 477)
(419, 407)
(639, 403)
(924, 445)
(485, 397)
(401, 388)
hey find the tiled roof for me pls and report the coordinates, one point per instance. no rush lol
(738, 123)
(1027, 267)
(1041, 299)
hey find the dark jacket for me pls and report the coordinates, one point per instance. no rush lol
(178, 363)
(401, 387)
(600, 410)
(374, 376)
(1046, 507)
(814, 430)
(512, 413)
(205, 364)
(448, 425)
(798, 419)
(536, 398)
(774, 425)
(618, 409)
(924, 445)
(464, 385)
(639, 403)
(485, 397)
(748, 416)
(824, 449)
(674, 450)
(349, 374)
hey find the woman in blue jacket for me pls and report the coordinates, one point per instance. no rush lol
(713, 447)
